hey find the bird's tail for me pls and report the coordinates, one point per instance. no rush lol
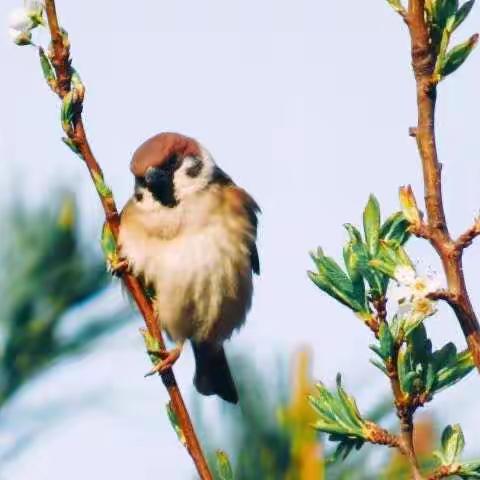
(212, 375)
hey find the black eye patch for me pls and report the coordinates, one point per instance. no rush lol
(195, 169)
(172, 164)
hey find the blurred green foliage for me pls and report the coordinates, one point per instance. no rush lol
(271, 435)
(46, 271)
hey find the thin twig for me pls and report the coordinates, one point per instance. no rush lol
(423, 62)
(444, 472)
(405, 405)
(379, 436)
(466, 238)
(60, 60)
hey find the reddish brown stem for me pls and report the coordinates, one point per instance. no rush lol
(423, 62)
(444, 472)
(405, 405)
(61, 62)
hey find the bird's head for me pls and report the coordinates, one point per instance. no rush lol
(169, 168)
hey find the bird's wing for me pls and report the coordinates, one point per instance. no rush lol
(244, 204)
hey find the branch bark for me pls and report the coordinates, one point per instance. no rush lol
(60, 58)
(423, 63)
(405, 405)
(444, 472)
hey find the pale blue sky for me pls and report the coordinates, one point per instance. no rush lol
(307, 105)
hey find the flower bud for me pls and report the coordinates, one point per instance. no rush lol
(409, 206)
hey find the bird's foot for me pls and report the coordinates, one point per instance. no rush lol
(166, 359)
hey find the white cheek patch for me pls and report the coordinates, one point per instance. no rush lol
(147, 203)
(186, 185)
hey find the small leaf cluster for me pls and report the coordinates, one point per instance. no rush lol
(443, 18)
(422, 371)
(404, 351)
(338, 415)
(452, 445)
(370, 260)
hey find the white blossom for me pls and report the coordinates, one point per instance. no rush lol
(423, 307)
(20, 37)
(411, 294)
(19, 20)
(23, 20)
(417, 286)
(34, 5)
(404, 274)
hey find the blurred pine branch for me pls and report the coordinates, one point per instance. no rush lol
(47, 271)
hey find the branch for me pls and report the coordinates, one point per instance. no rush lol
(466, 238)
(444, 471)
(59, 56)
(404, 404)
(423, 62)
(379, 436)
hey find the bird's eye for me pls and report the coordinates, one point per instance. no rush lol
(195, 168)
(138, 196)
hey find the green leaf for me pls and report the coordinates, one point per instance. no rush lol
(67, 112)
(47, 69)
(108, 243)
(387, 342)
(152, 345)
(371, 224)
(332, 280)
(444, 10)
(100, 185)
(375, 280)
(457, 55)
(470, 470)
(78, 86)
(383, 266)
(453, 370)
(71, 145)
(462, 13)
(395, 229)
(348, 402)
(397, 6)
(352, 263)
(430, 378)
(172, 416)
(453, 443)
(344, 448)
(337, 414)
(445, 356)
(223, 466)
(379, 365)
(354, 233)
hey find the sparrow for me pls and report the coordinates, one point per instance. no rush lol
(189, 232)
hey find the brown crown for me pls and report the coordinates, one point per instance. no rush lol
(156, 151)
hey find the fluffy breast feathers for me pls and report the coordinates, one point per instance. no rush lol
(199, 258)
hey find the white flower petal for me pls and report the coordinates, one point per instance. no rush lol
(34, 5)
(404, 274)
(19, 19)
(399, 293)
(13, 34)
(19, 37)
(405, 309)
